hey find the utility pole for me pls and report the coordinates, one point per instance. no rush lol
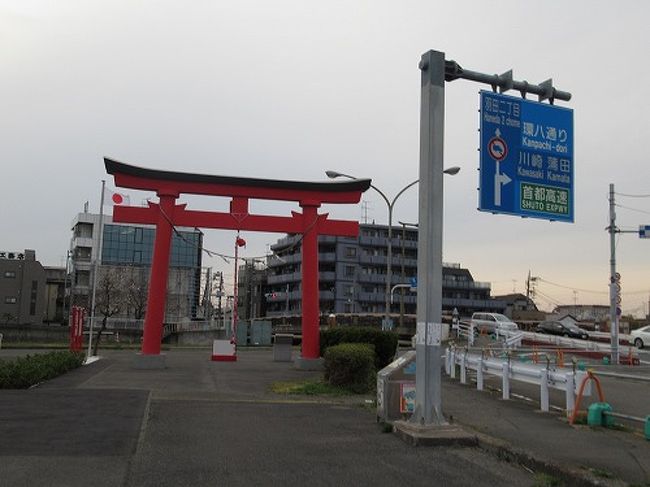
(219, 296)
(613, 278)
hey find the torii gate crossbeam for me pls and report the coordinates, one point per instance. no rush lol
(166, 214)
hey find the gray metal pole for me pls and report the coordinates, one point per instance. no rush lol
(613, 317)
(428, 399)
(98, 256)
(389, 269)
(401, 301)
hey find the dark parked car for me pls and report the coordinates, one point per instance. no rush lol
(559, 328)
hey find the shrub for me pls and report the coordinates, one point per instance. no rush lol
(384, 342)
(27, 371)
(351, 366)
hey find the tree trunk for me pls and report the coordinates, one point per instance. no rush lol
(99, 335)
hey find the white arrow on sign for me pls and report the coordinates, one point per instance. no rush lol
(499, 181)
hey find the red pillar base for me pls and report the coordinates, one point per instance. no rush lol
(224, 358)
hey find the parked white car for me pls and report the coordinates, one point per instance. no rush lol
(641, 336)
(492, 322)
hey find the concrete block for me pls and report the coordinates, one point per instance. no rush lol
(433, 435)
(312, 364)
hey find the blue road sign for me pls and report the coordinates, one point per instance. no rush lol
(644, 231)
(526, 158)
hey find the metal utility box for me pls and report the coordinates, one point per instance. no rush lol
(396, 389)
(242, 334)
(260, 333)
(282, 348)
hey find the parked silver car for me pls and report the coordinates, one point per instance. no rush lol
(492, 322)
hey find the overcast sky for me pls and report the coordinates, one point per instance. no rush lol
(288, 89)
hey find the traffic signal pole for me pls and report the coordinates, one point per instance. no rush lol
(613, 278)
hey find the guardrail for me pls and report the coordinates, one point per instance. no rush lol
(193, 326)
(539, 375)
(575, 344)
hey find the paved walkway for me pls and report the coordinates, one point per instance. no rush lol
(206, 423)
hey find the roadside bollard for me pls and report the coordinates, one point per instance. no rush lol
(479, 374)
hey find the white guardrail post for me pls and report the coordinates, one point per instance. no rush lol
(506, 380)
(543, 390)
(540, 375)
(463, 368)
(570, 394)
(453, 364)
(448, 361)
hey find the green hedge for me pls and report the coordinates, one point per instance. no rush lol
(24, 372)
(351, 366)
(384, 342)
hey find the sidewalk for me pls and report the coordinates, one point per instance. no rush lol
(207, 423)
(517, 428)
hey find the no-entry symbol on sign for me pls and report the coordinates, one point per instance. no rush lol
(497, 148)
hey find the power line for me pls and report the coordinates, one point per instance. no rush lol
(571, 287)
(633, 195)
(589, 290)
(633, 209)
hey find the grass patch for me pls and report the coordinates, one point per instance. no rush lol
(546, 480)
(309, 388)
(603, 474)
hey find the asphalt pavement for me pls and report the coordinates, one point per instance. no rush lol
(209, 423)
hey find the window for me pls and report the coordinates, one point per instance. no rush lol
(350, 251)
(32, 298)
(10, 274)
(10, 300)
(349, 270)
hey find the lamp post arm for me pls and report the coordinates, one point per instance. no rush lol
(402, 191)
(381, 193)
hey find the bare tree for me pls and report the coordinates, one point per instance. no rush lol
(136, 292)
(109, 299)
(8, 318)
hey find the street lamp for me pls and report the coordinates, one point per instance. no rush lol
(387, 325)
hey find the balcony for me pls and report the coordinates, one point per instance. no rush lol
(373, 259)
(451, 284)
(284, 278)
(375, 278)
(327, 276)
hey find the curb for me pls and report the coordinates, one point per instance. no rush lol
(569, 475)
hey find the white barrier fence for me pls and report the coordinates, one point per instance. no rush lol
(513, 339)
(566, 380)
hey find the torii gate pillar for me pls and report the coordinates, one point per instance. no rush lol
(310, 293)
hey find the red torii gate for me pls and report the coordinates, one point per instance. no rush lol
(166, 214)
